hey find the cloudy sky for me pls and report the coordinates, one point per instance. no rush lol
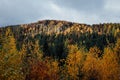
(83, 11)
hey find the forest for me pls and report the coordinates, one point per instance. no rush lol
(60, 50)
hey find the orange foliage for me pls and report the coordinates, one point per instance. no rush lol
(96, 52)
(110, 68)
(43, 70)
(91, 68)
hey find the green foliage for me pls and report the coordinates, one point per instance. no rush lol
(59, 50)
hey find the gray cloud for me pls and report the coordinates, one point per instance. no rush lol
(83, 5)
(83, 11)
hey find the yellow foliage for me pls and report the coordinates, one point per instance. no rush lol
(72, 48)
(117, 49)
(74, 62)
(77, 65)
(91, 68)
(106, 68)
(110, 67)
(96, 52)
(10, 59)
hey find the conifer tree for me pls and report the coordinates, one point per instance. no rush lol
(10, 58)
(110, 68)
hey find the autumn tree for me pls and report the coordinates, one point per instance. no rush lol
(91, 68)
(110, 67)
(117, 49)
(47, 69)
(10, 58)
(95, 51)
(74, 62)
(31, 57)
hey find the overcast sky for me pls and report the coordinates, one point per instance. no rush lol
(83, 11)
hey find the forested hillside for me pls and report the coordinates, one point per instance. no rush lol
(60, 50)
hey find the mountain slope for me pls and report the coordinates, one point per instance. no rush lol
(64, 27)
(51, 30)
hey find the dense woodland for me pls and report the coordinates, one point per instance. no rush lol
(60, 50)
